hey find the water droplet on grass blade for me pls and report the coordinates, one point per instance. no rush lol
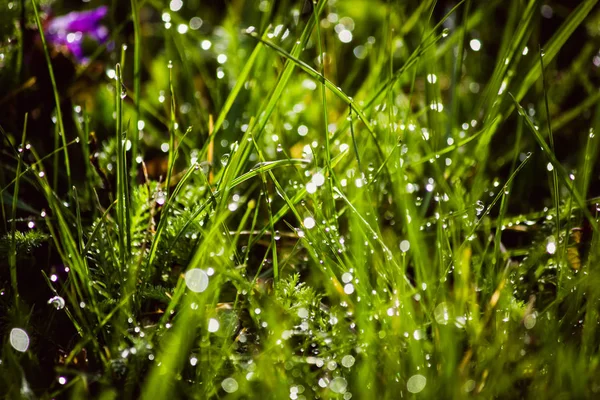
(442, 314)
(318, 179)
(213, 325)
(225, 159)
(19, 339)
(404, 246)
(196, 280)
(229, 385)
(416, 383)
(475, 44)
(302, 313)
(348, 361)
(479, 207)
(309, 222)
(551, 246)
(58, 302)
(338, 385)
(419, 334)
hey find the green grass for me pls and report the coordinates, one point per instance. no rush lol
(302, 202)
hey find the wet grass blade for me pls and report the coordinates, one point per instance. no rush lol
(13, 225)
(59, 118)
(123, 218)
(555, 187)
(137, 91)
(556, 164)
(556, 42)
(338, 92)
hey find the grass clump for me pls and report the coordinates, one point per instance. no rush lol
(329, 199)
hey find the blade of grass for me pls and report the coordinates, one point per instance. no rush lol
(137, 78)
(34, 165)
(556, 164)
(59, 118)
(13, 225)
(555, 187)
(261, 169)
(121, 177)
(329, 211)
(556, 42)
(328, 84)
(172, 150)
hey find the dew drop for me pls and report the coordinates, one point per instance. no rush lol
(338, 385)
(303, 313)
(213, 325)
(346, 277)
(404, 246)
(475, 44)
(441, 314)
(225, 159)
(349, 288)
(348, 361)
(196, 280)
(309, 222)
(302, 130)
(229, 385)
(318, 179)
(419, 334)
(551, 246)
(416, 383)
(161, 198)
(19, 339)
(479, 207)
(58, 302)
(311, 188)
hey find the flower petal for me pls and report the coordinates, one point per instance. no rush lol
(83, 21)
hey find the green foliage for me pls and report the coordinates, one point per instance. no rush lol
(26, 242)
(296, 199)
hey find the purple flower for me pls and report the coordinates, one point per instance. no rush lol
(69, 30)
